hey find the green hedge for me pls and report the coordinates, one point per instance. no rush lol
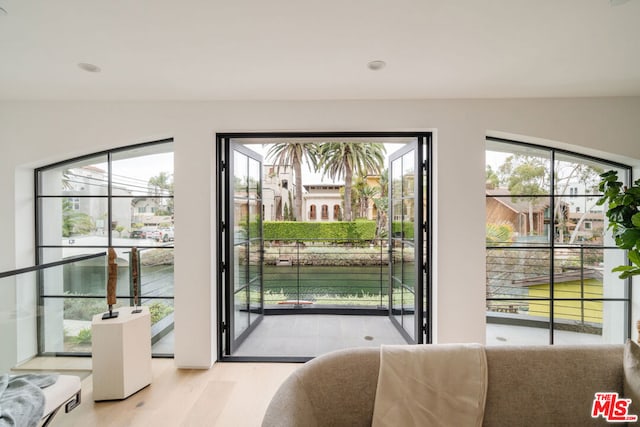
(341, 230)
(402, 229)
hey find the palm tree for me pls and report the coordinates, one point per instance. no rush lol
(161, 184)
(342, 159)
(366, 194)
(293, 154)
(382, 203)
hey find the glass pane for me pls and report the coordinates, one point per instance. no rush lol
(576, 176)
(140, 217)
(88, 177)
(396, 179)
(143, 171)
(87, 277)
(578, 273)
(255, 301)
(396, 300)
(240, 266)
(254, 218)
(585, 272)
(408, 264)
(578, 220)
(408, 174)
(241, 311)
(48, 255)
(240, 174)
(590, 322)
(156, 272)
(514, 220)
(408, 305)
(68, 322)
(255, 261)
(67, 223)
(162, 323)
(254, 178)
(517, 273)
(397, 215)
(521, 170)
(513, 327)
(241, 219)
(613, 286)
(409, 213)
(68, 325)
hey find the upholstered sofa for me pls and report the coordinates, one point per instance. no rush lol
(526, 386)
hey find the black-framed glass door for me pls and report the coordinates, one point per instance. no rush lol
(409, 226)
(243, 252)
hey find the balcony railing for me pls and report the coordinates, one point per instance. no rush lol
(21, 311)
(326, 273)
(580, 296)
(47, 309)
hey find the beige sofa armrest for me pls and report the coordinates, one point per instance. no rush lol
(336, 389)
(290, 406)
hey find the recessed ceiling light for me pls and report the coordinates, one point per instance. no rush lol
(89, 67)
(376, 65)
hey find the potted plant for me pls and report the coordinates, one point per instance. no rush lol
(624, 218)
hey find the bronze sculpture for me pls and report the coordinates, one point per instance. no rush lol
(112, 282)
(134, 279)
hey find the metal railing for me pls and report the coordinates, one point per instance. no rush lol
(21, 309)
(47, 309)
(326, 273)
(520, 288)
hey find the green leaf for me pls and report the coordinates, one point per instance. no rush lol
(609, 175)
(628, 238)
(634, 257)
(629, 273)
(635, 219)
(622, 268)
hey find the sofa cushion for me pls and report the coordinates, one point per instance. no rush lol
(550, 385)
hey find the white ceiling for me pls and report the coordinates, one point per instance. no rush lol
(303, 49)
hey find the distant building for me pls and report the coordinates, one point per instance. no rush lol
(501, 207)
(92, 181)
(578, 218)
(572, 285)
(278, 190)
(323, 202)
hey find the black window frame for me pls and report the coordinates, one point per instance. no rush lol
(109, 197)
(552, 244)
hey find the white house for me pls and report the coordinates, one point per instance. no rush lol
(322, 202)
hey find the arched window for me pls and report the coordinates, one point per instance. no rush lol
(543, 265)
(336, 212)
(325, 212)
(124, 200)
(312, 212)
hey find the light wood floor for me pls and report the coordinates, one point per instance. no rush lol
(228, 394)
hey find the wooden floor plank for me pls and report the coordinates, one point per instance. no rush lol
(228, 394)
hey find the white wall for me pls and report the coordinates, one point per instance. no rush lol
(36, 133)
